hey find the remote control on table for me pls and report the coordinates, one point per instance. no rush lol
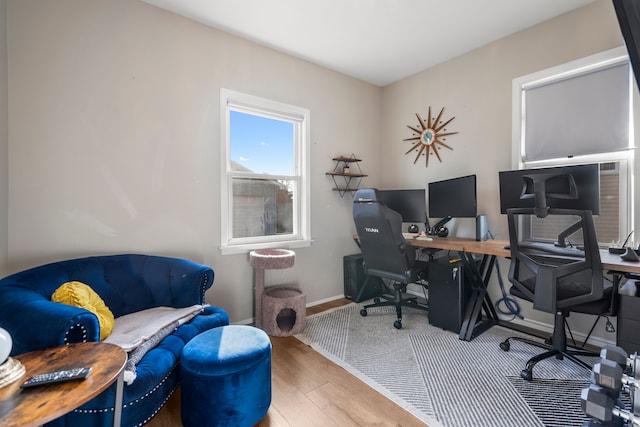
(56, 377)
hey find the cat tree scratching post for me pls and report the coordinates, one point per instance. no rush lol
(278, 310)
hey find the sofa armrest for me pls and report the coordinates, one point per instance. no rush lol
(177, 282)
(40, 324)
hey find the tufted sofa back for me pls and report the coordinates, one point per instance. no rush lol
(127, 283)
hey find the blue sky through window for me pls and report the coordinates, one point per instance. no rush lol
(261, 144)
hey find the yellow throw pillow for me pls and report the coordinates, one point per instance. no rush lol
(81, 295)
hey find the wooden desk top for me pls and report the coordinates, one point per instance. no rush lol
(39, 405)
(614, 262)
(485, 247)
(497, 247)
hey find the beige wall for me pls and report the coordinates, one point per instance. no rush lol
(4, 142)
(115, 138)
(114, 132)
(476, 89)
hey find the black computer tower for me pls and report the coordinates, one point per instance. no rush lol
(627, 335)
(354, 280)
(449, 293)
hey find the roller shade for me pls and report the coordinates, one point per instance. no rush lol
(584, 114)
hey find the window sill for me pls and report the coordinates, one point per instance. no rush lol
(241, 249)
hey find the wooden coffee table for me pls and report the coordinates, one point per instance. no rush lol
(39, 405)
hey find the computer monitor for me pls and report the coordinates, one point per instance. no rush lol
(411, 204)
(453, 198)
(562, 187)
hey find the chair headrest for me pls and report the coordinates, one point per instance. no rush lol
(367, 195)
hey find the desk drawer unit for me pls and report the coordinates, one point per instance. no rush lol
(449, 293)
(628, 336)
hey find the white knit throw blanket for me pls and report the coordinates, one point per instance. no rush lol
(139, 332)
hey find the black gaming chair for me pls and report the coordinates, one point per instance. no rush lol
(386, 253)
(558, 278)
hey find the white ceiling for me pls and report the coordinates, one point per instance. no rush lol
(378, 41)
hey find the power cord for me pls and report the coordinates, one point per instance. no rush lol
(512, 308)
(609, 326)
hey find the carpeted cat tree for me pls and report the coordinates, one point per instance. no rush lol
(279, 310)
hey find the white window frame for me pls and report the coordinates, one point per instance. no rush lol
(301, 235)
(625, 158)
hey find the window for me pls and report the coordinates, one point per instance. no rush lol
(576, 113)
(265, 188)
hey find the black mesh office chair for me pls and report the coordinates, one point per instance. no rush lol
(386, 253)
(557, 277)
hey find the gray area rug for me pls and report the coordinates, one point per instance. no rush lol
(442, 380)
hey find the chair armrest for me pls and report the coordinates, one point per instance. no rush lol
(40, 324)
(545, 298)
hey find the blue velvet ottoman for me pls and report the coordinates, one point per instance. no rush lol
(225, 377)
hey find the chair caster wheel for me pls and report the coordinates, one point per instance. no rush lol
(376, 300)
(526, 375)
(397, 324)
(363, 313)
(505, 345)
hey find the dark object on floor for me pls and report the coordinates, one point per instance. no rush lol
(612, 375)
(449, 291)
(358, 286)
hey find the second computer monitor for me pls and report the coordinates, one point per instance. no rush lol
(411, 204)
(455, 198)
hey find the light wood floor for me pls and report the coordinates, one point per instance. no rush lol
(309, 390)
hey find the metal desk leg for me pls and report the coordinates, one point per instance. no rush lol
(117, 408)
(473, 323)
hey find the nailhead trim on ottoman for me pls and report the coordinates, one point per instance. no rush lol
(225, 377)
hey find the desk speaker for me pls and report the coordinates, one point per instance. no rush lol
(482, 228)
(354, 280)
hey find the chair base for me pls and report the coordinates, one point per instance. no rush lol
(569, 353)
(397, 300)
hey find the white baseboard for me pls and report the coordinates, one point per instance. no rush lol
(244, 322)
(322, 301)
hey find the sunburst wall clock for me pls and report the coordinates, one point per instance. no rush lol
(429, 136)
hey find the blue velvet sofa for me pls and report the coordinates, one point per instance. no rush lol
(127, 283)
